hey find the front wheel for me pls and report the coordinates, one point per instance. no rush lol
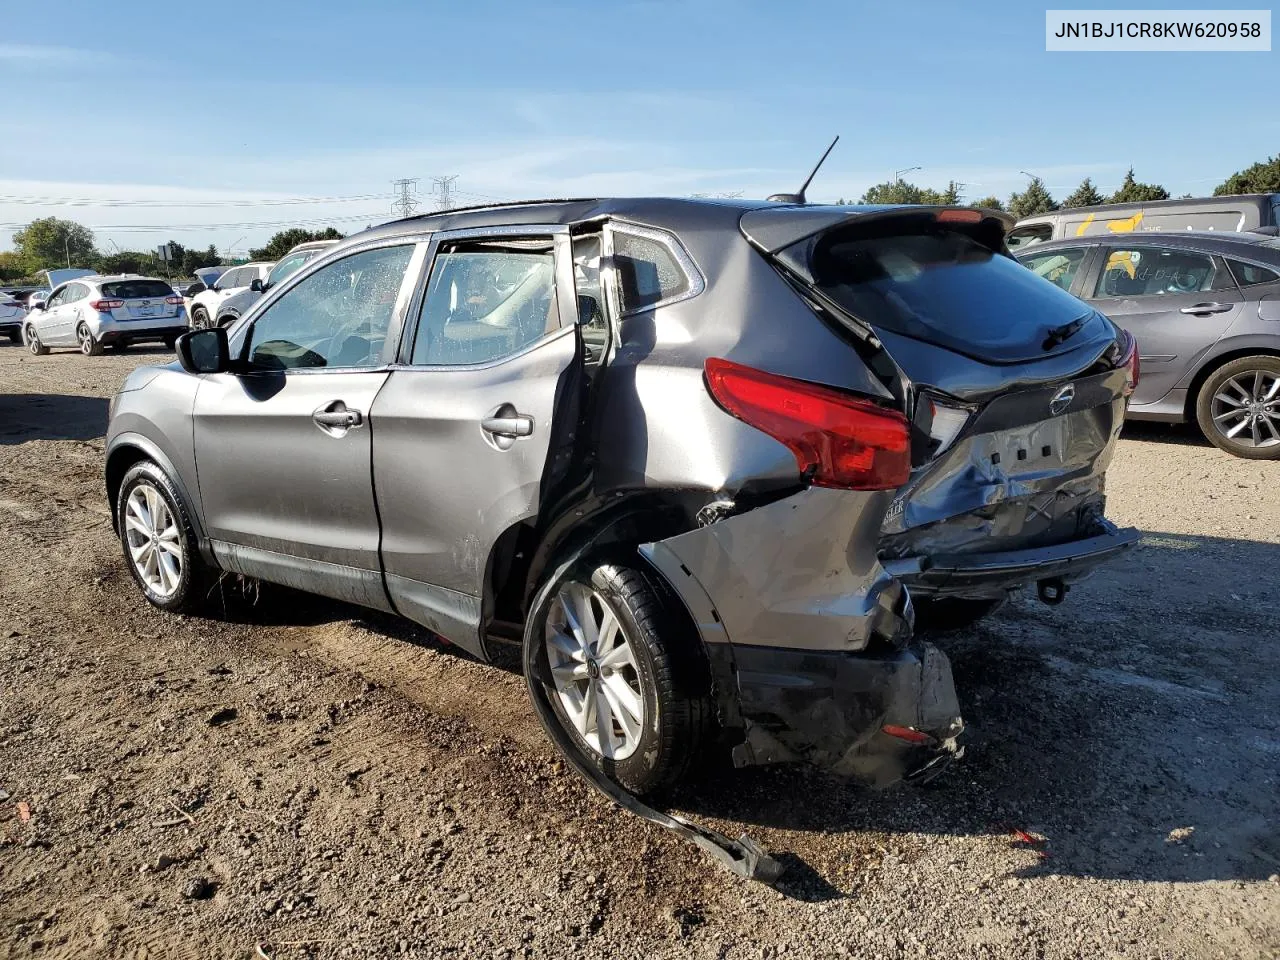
(628, 682)
(34, 345)
(159, 541)
(89, 344)
(199, 318)
(1238, 408)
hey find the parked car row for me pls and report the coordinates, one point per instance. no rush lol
(93, 312)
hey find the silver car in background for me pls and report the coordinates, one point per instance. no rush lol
(1205, 309)
(93, 312)
(713, 468)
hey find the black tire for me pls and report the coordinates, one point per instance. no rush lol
(120, 346)
(90, 346)
(15, 336)
(170, 342)
(670, 672)
(1262, 369)
(199, 318)
(195, 576)
(946, 614)
(34, 345)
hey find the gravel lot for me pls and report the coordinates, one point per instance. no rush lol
(310, 780)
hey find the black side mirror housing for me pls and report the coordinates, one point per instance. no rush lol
(204, 351)
(256, 286)
(36, 305)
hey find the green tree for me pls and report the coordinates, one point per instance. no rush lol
(1085, 195)
(12, 267)
(286, 240)
(1131, 191)
(51, 243)
(127, 261)
(899, 191)
(988, 203)
(1261, 177)
(1035, 199)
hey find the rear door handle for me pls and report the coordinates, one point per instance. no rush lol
(1203, 309)
(516, 425)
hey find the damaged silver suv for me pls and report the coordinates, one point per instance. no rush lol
(711, 466)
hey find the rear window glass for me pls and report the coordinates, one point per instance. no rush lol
(1025, 236)
(1247, 274)
(647, 272)
(136, 289)
(944, 287)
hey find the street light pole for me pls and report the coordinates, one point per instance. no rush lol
(66, 246)
(232, 249)
(897, 174)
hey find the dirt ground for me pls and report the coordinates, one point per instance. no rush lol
(311, 780)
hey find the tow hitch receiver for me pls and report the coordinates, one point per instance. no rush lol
(1052, 592)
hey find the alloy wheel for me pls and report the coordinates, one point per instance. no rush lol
(33, 341)
(155, 548)
(593, 668)
(1246, 408)
(86, 341)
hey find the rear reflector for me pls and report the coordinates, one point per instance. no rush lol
(909, 734)
(838, 440)
(106, 304)
(1129, 360)
(959, 216)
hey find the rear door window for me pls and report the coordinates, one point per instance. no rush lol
(940, 286)
(1057, 266)
(136, 289)
(1156, 272)
(653, 270)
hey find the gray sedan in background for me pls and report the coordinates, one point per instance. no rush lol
(1205, 309)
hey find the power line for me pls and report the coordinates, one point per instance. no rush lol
(404, 203)
(241, 225)
(444, 189)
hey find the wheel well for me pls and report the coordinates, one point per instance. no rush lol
(118, 464)
(1205, 372)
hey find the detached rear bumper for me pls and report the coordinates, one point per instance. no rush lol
(990, 574)
(833, 709)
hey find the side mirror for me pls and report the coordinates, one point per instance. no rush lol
(34, 304)
(257, 286)
(204, 351)
(195, 288)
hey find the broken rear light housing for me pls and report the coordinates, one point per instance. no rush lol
(838, 440)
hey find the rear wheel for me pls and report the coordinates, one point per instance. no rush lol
(628, 683)
(1238, 408)
(159, 542)
(199, 317)
(120, 346)
(37, 348)
(169, 342)
(945, 614)
(15, 336)
(89, 344)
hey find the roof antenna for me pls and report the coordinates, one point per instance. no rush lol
(799, 196)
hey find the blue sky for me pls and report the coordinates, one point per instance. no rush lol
(200, 112)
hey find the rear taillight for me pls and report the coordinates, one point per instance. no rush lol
(838, 440)
(1129, 360)
(173, 301)
(959, 216)
(104, 305)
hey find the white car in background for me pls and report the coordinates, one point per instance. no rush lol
(238, 304)
(204, 305)
(94, 312)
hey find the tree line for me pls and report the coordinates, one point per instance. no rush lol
(50, 243)
(1262, 177)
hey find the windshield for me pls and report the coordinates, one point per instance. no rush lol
(940, 286)
(290, 265)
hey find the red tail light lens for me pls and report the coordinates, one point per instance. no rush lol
(106, 304)
(1129, 360)
(959, 216)
(174, 301)
(838, 441)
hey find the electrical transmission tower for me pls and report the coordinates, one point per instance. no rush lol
(444, 192)
(404, 203)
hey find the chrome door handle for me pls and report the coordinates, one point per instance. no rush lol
(1206, 308)
(513, 426)
(336, 416)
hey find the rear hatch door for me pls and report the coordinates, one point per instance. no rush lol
(1014, 387)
